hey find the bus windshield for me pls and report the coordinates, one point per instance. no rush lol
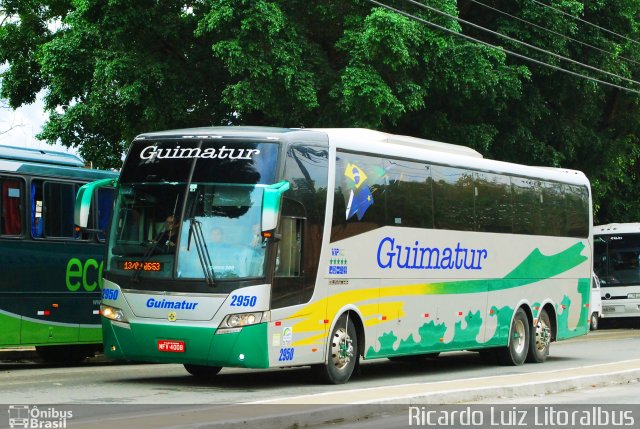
(617, 259)
(198, 219)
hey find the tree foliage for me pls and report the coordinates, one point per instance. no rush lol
(111, 69)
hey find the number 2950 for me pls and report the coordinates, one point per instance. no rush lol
(243, 301)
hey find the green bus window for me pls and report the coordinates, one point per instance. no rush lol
(58, 205)
(11, 205)
(105, 198)
(37, 213)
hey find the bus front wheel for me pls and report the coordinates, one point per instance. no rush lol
(202, 371)
(342, 353)
(515, 353)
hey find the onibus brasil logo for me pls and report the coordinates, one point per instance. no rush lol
(26, 416)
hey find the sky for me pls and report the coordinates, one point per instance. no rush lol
(23, 125)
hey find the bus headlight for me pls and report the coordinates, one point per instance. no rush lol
(112, 313)
(633, 295)
(244, 319)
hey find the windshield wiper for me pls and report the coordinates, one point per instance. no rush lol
(195, 232)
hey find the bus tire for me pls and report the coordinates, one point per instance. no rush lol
(593, 322)
(515, 353)
(342, 353)
(204, 372)
(540, 339)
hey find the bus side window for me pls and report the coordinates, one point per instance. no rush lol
(105, 198)
(11, 206)
(289, 248)
(52, 205)
(36, 209)
(289, 287)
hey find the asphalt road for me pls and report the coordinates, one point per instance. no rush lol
(157, 396)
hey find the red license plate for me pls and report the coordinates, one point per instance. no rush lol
(171, 346)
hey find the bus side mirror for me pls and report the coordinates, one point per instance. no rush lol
(83, 201)
(271, 201)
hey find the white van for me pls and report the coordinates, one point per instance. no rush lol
(596, 302)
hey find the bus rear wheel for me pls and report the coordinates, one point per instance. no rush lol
(342, 353)
(540, 339)
(515, 353)
(202, 371)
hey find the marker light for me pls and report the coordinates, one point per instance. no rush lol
(113, 313)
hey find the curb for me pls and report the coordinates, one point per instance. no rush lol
(330, 407)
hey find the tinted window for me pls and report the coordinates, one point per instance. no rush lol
(494, 207)
(409, 199)
(372, 192)
(553, 222)
(577, 207)
(359, 201)
(453, 195)
(58, 205)
(105, 198)
(526, 205)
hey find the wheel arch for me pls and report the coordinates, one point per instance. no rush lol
(553, 318)
(356, 317)
(526, 307)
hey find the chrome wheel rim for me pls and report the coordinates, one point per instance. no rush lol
(519, 336)
(341, 348)
(543, 335)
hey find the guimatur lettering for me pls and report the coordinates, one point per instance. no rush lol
(417, 257)
(176, 305)
(153, 152)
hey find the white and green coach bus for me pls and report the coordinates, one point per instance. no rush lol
(265, 247)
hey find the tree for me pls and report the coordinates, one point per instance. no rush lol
(112, 69)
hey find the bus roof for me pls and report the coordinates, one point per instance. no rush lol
(617, 228)
(47, 163)
(363, 134)
(40, 156)
(365, 140)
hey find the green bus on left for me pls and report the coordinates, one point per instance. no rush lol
(50, 274)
